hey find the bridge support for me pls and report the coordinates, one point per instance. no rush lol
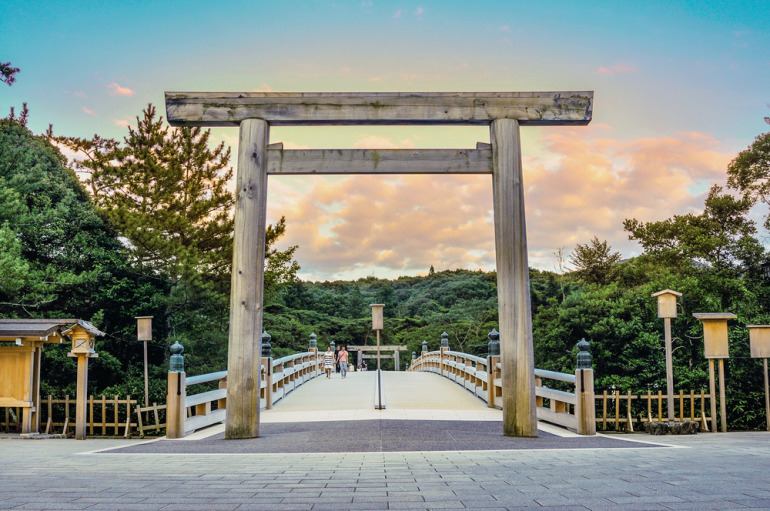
(516, 350)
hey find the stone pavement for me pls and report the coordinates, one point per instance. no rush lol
(707, 471)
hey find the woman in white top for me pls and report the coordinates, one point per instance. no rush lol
(329, 362)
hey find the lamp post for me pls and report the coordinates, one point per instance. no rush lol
(667, 310)
(144, 334)
(716, 346)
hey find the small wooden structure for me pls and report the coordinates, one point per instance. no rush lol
(504, 112)
(21, 342)
(716, 347)
(759, 339)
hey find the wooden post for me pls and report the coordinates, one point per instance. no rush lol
(516, 350)
(722, 404)
(146, 377)
(81, 398)
(767, 393)
(669, 371)
(712, 390)
(175, 401)
(268, 363)
(492, 361)
(245, 343)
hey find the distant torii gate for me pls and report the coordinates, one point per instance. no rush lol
(360, 356)
(255, 112)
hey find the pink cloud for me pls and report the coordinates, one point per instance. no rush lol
(88, 111)
(265, 88)
(618, 69)
(117, 90)
(580, 184)
(397, 14)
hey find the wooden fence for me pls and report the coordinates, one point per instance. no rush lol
(617, 410)
(104, 417)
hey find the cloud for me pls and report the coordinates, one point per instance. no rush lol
(79, 94)
(397, 14)
(419, 11)
(579, 183)
(379, 142)
(505, 28)
(88, 111)
(123, 123)
(117, 90)
(265, 88)
(618, 69)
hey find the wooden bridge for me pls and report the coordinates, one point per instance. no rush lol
(441, 384)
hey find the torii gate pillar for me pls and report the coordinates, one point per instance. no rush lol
(516, 349)
(245, 342)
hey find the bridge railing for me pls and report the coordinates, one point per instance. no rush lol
(481, 376)
(187, 413)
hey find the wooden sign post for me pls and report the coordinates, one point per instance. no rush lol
(716, 347)
(759, 339)
(667, 310)
(503, 112)
(377, 324)
(144, 334)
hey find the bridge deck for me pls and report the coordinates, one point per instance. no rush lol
(407, 395)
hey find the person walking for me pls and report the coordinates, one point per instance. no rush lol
(329, 362)
(342, 360)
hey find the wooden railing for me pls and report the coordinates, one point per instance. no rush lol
(104, 416)
(571, 410)
(278, 378)
(617, 410)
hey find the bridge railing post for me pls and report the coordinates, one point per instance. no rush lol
(313, 348)
(176, 394)
(585, 407)
(493, 358)
(442, 357)
(267, 362)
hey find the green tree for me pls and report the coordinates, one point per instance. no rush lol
(722, 236)
(166, 191)
(749, 172)
(594, 261)
(8, 72)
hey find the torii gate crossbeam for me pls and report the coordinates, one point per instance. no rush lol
(255, 112)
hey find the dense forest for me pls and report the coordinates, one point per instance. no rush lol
(141, 227)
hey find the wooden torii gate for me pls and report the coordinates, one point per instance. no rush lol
(255, 112)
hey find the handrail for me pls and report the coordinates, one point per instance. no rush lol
(553, 375)
(468, 357)
(289, 358)
(203, 378)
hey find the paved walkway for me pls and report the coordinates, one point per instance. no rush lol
(708, 471)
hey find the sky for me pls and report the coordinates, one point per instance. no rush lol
(680, 88)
